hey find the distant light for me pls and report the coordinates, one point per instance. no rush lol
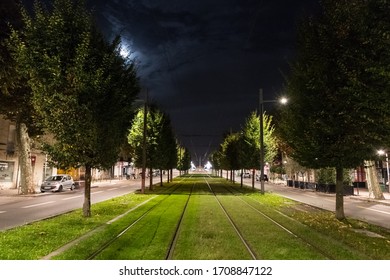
(381, 152)
(283, 100)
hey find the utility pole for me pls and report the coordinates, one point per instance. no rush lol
(261, 108)
(144, 143)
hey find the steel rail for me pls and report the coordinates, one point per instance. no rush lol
(250, 251)
(302, 239)
(177, 230)
(124, 230)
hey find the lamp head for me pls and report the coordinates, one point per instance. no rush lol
(283, 100)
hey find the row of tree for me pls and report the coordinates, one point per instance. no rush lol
(70, 89)
(63, 80)
(241, 150)
(339, 88)
(153, 143)
(338, 114)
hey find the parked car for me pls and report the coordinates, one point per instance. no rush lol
(246, 175)
(57, 183)
(265, 177)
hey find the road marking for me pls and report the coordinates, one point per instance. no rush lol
(112, 189)
(1, 212)
(383, 212)
(72, 197)
(310, 195)
(97, 192)
(39, 204)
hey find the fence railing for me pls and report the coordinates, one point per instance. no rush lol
(325, 188)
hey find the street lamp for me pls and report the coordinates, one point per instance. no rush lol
(382, 152)
(282, 100)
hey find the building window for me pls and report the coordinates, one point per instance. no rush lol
(6, 171)
(11, 140)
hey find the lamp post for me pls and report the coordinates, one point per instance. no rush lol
(382, 152)
(144, 103)
(143, 177)
(261, 109)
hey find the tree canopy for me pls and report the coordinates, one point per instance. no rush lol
(339, 85)
(83, 89)
(160, 146)
(16, 95)
(241, 150)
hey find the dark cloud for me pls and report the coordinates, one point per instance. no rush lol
(204, 61)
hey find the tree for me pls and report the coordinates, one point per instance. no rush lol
(15, 95)
(339, 86)
(82, 87)
(160, 141)
(215, 159)
(167, 147)
(251, 143)
(231, 153)
(164, 153)
(183, 159)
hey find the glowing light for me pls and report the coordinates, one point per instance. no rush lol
(208, 166)
(381, 152)
(283, 100)
(124, 51)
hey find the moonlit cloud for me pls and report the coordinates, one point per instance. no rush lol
(204, 61)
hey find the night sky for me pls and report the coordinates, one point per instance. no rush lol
(204, 61)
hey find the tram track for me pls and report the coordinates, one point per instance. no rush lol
(239, 234)
(167, 192)
(112, 221)
(172, 245)
(194, 216)
(281, 226)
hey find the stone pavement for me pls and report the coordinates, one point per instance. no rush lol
(363, 194)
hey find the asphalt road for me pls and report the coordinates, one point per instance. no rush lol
(16, 211)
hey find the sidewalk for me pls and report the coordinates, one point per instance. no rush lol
(363, 194)
(359, 194)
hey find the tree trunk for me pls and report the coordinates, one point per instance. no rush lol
(26, 173)
(87, 192)
(150, 179)
(253, 178)
(372, 180)
(242, 178)
(339, 194)
(161, 178)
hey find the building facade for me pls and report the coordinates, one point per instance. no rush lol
(9, 163)
(10, 169)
